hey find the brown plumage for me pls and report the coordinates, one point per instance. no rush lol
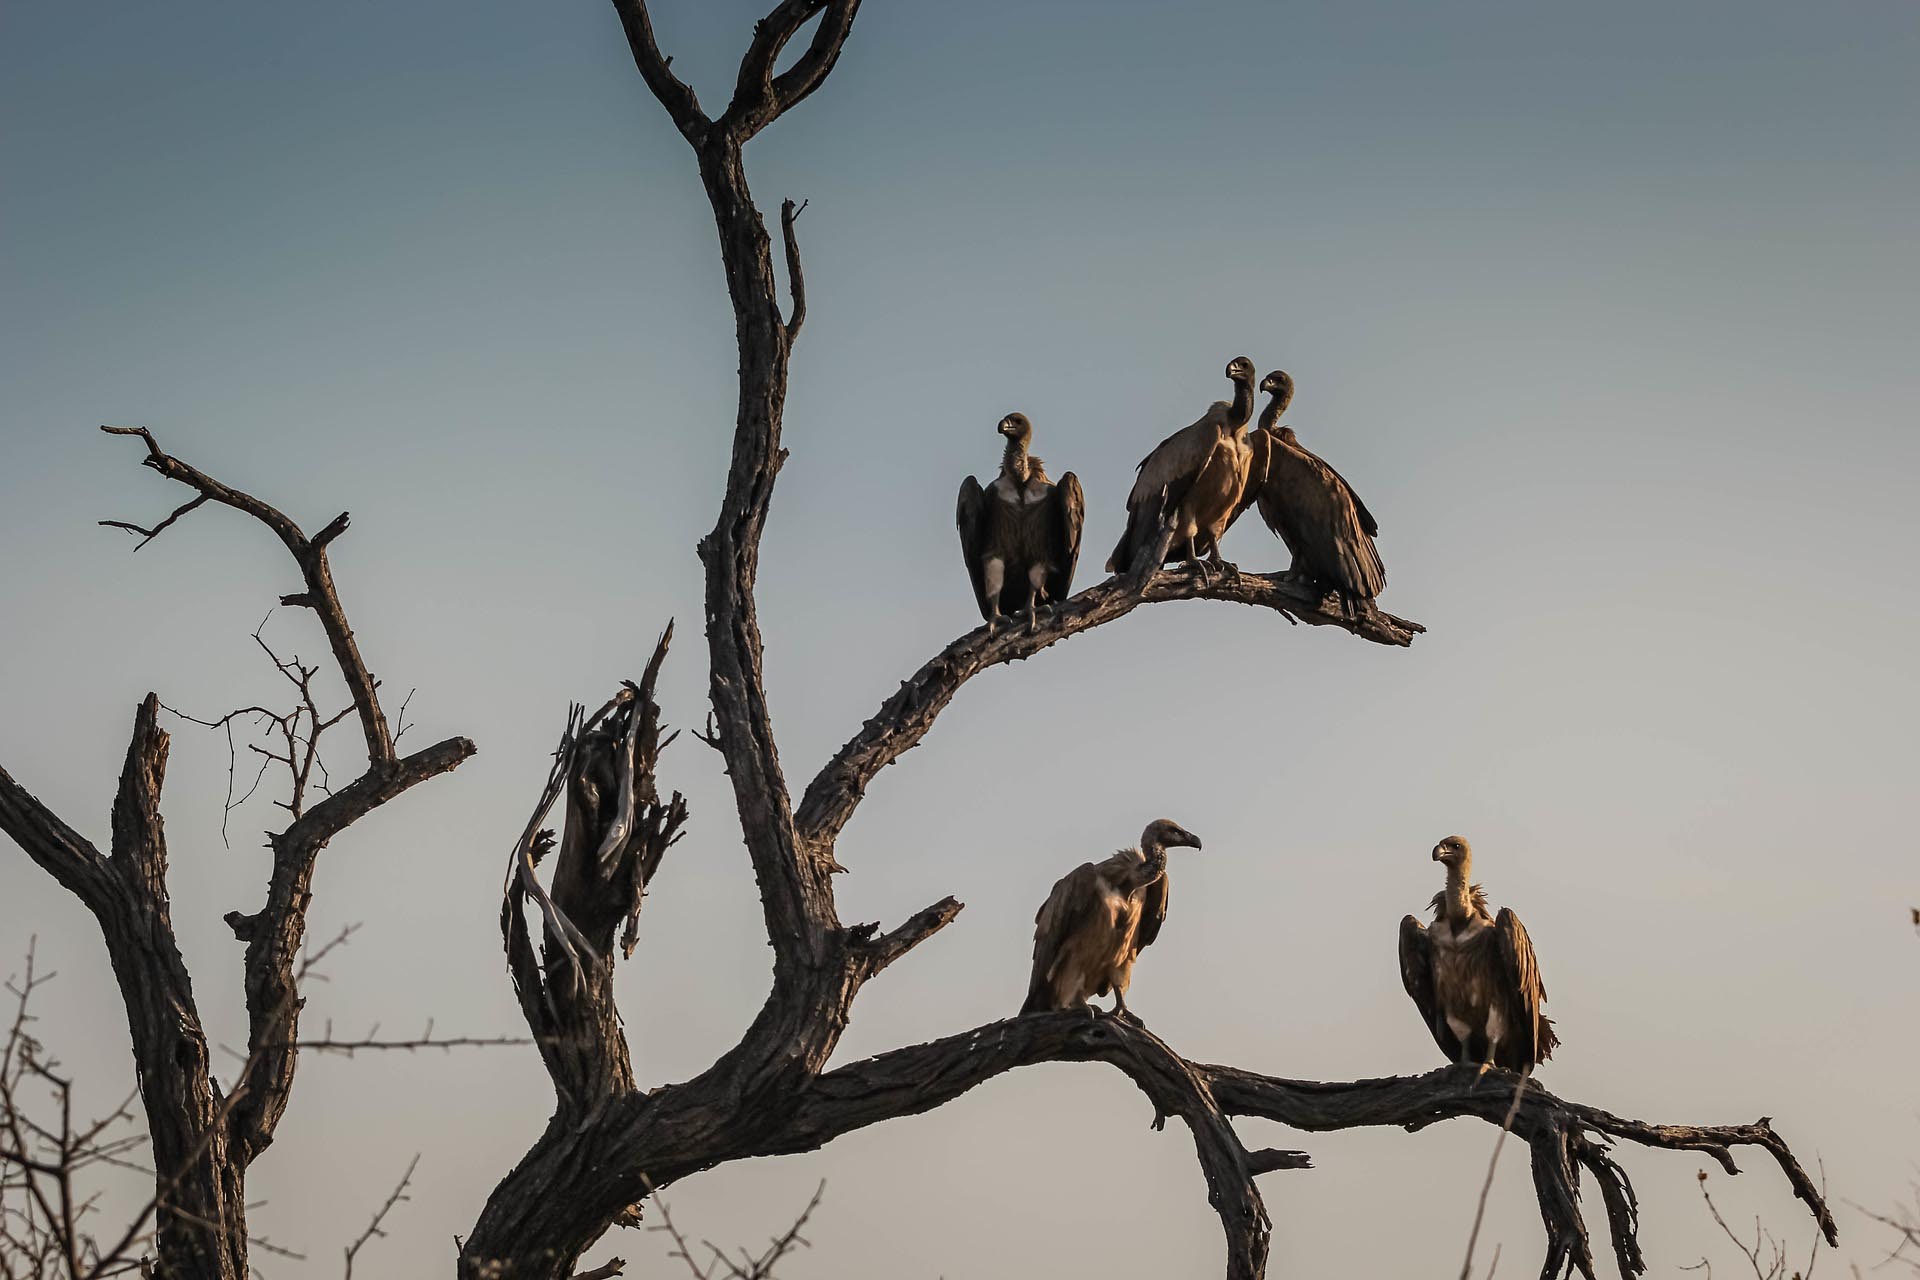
(1021, 533)
(1197, 476)
(1310, 506)
(1473, 975)
(1098, 919)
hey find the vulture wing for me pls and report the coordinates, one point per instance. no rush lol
(1315, 513)
(1068, 507)
(1416, 974)
(1367, 522)
(1074, 902)
(1524, 993)
(1176, 460)
(1170, 470)
(1153, 912)
(972, 516)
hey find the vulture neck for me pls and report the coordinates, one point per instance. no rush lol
(1270, 416)
(1456, 902)
(1017, 463)
(1154, 862)
(1241, 412)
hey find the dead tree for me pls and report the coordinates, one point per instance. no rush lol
(205, 1135)
(611, 1144)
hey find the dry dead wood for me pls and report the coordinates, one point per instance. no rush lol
(208, 1134)
(610, 1144)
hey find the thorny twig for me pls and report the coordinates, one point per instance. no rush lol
(719, 1266)
(374, 1228)
(298, 732)
(1767, 1255)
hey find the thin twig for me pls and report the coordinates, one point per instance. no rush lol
(374, 1228)
(1493, 1162)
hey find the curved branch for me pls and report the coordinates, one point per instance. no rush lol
(759, 96)
(310, 554)
(682, 105)
(1564, 1136)
(922, 1077)
(904, 719)
(796, 279)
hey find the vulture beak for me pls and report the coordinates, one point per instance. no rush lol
(1436, 854)
(1189, 839)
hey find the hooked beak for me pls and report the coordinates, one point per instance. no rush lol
(1436, 854)
(1189, 839)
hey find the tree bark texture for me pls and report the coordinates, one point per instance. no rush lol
(204, 1136)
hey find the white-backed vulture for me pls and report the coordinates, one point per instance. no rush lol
(1199, 475)
(1097, 921)
(1310, 506)
(1021, 534)
(1473, 974)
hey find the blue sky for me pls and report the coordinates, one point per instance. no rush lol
(1608, 311)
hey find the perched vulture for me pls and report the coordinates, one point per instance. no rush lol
(1020, 534)
(1199, 475)
(1311, 506)
(1473, 975)
(1098, 920)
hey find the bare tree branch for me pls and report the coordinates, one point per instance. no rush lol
(796, 278)
(905, 717)
(310, 554)
(610, 1146)
(203, 1138)
(657, 70)
(375, 1230)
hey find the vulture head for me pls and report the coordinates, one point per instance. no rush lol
(1016, 427)
(1454, 851)
(1280, 386)
(1240, 369)
(1165, 833)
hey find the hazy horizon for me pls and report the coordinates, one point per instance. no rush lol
(1609, 315)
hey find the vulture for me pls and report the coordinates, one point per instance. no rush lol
(1473, 974)
(1097, 921)
(1311, 506)
(1197, 476)
(1021, 533)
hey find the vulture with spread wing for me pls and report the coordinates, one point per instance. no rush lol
(1198, 476)
(1020, 534)
(1098, 920)
(1311, 506)
(1473, 974)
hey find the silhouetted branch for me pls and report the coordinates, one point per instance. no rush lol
(796, 279)
(204, 1138)
(906, 717)
(609, 1146)
(310, 556)
(749, 1266)
(374, 1228)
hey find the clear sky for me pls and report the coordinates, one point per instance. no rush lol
(1608, 310)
